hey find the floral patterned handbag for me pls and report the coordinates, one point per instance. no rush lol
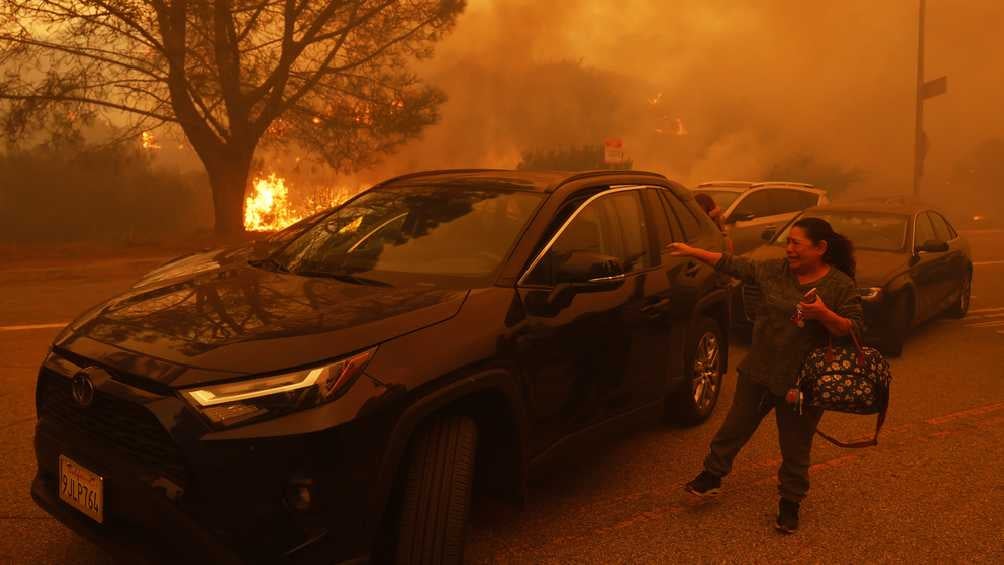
(852, 379)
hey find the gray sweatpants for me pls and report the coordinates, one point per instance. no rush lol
(751, 403)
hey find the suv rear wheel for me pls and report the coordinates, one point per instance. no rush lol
(694, 401)
(437, 493)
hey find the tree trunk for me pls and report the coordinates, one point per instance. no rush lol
(228, 178)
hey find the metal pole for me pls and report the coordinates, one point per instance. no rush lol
(919, 141)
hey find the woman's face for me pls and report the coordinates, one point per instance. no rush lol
(802, 252)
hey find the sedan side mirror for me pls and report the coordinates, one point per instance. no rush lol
(933, 246)
(768, 234)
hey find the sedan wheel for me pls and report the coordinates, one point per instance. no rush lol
(694, 402)
(900, 321)
(961, 306)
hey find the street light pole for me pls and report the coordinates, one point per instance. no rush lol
(920, 140)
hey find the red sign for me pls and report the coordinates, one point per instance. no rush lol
(613, 150)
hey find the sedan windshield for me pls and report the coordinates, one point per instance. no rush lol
(866, 230)
(724, 198)
(426, 231)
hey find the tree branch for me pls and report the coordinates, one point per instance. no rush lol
(81, 51)
(86, 100)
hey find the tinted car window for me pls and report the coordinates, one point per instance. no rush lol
(785, 201)
(757, 203)
(629, 216)
(867, 230)
(431, 231)
(924, 232)
(684, 215)
(597, 228)
(666, 227)
(940, 227)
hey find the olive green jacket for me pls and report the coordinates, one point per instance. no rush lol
(779, 344)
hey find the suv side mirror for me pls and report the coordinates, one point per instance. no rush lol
(741, 217)
(933, 246)
(768, 234)
(586, 271)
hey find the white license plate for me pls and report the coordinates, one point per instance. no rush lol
(81, 488)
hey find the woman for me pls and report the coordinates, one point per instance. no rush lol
(715, 213)
(787, 328)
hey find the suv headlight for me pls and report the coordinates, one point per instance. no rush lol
(249, 400)
(871, 294)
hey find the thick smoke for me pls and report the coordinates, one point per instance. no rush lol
(751, 83)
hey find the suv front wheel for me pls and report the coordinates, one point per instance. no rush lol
(694, 401)
(437, 493)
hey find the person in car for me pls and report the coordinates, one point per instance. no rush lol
(715, 213)
(816, 258)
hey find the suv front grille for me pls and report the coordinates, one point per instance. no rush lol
(127, 427)
(751, 300)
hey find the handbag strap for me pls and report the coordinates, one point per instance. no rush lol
(866, 443)
(857, 345)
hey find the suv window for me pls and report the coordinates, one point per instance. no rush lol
(630, 217)
(684, 215)
(940, 227)
(757, 203)
(667, 228)
(784, 201)
(923, 232)
(610, 225)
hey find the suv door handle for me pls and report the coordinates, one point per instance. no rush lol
(655, 308)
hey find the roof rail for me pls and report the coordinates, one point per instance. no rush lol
(602, 172)
(784, 183)
(730, 183)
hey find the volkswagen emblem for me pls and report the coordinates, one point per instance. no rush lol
(83, 389)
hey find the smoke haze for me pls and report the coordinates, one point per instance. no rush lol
(752, 84)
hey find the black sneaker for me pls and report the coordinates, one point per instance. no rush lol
(705, 484)
(787, 516)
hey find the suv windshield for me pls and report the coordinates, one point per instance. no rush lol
(425, 231)
(724, 198)
(867, 230)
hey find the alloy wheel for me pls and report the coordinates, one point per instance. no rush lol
(707, 371)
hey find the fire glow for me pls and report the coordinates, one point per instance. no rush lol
(269, 207)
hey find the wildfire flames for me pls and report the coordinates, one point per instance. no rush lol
(269, 207)
(149, 142)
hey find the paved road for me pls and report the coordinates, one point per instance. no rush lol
(931, 492)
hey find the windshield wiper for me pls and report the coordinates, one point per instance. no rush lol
(344, 277)
(269, 264)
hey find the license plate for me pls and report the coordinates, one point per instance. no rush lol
(81, 489)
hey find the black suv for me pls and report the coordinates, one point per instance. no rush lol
(338, 398)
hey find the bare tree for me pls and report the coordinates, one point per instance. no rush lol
(329, 76)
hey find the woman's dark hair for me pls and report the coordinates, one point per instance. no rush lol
(707, 204)
(839, 249)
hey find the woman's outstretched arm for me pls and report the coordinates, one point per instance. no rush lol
(742, 268)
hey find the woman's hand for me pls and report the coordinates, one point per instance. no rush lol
(678, 249)
(815, 310)
(833, 322)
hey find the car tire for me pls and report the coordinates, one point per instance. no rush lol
(437, 493)
(693, 401)
(900, 321)
(961, 306)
